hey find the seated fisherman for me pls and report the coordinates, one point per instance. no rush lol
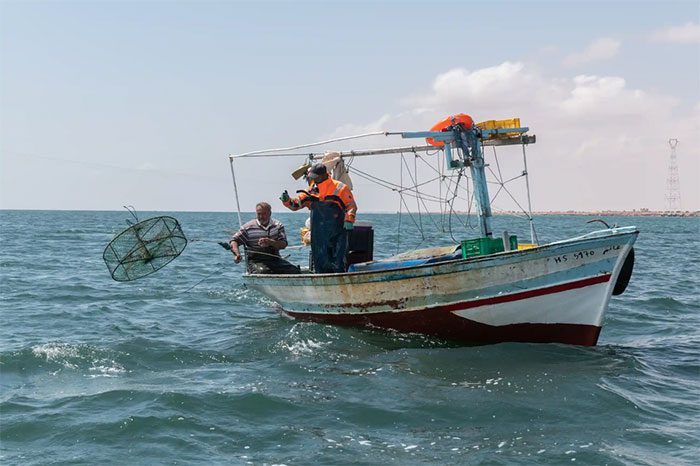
(263, 238)
(333, 210)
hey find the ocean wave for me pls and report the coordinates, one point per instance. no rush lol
(303, 341)
(58, 356)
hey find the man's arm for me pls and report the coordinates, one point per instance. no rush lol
(295, 203)
(350, 206)
(234, 249)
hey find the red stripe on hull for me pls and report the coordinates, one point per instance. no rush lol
(434, 321)
(451, 327)
(526, 294)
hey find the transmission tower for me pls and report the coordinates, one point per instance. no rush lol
(673, 192)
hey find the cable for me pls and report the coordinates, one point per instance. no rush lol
(221, 266)
(320, 143)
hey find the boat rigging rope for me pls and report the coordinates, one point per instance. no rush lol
(443, 177)
(398, 227)
(452, 184)
(408, 191)
(220, 267)
(444, 199)
(445, 203)
(419, 200)
(440, 171)
(451, 202)
(533, 233)
(402, 201)
(419, 224)
(313, 144)
(502, 184)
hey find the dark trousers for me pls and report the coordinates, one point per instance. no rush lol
(329, 241)
(272, 265)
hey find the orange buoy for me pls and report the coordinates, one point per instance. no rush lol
(462, 118)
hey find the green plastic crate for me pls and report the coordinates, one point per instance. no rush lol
(485, 245)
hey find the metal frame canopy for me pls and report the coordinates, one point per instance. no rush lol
(463, 147)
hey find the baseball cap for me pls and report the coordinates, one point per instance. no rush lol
(316, 171)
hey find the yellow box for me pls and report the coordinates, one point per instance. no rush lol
(526, 246)
(500, 124)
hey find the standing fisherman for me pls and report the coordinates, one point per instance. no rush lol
(333, 210)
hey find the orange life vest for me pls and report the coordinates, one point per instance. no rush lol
(327, 190)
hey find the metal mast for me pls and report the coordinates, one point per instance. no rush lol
(673, 193)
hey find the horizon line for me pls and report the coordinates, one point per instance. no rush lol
(642, 211)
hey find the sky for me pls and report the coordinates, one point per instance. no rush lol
(105, 104)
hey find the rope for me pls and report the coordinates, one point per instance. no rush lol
(470, 201)
(302, 146)
(502, 184)
(221, 266)
(533, 233)
(444, 200)
(442, 181)
(419, 200)
(398, 228)
(402, 162)
(395, 187)
(299, 246)
(258, 253)
(450, 203)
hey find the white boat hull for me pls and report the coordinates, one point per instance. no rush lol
(553, 293)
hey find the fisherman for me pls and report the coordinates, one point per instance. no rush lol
(263, 238)
(333, 212)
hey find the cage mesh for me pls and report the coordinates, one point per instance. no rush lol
(144, 248)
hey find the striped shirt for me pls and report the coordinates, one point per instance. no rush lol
(251, 232)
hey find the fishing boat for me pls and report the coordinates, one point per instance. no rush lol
(481, 290)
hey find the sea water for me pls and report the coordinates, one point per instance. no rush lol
(187, 366)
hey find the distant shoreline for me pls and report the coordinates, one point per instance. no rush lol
(625, 213)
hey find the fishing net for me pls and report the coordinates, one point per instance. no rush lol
(144, 247)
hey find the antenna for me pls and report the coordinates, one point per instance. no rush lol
(673, 192)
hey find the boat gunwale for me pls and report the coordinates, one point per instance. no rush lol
(468, 260)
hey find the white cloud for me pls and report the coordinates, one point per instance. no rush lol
(609, 96)
(601, 143)
(600, 49)
(484, 85)
(689, 33)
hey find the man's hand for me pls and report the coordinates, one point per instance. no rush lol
(285, 196)
(236, 257)
(348, 226)
(265, 242)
